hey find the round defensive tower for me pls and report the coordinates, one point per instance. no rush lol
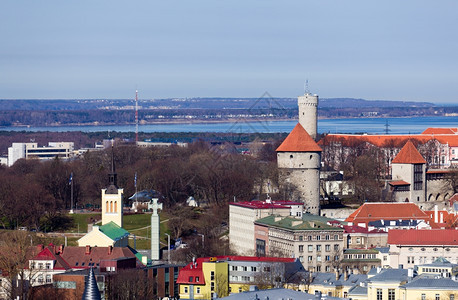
(308, 106)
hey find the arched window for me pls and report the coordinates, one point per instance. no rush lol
(106, 207)
(116, 206)
(111, 206)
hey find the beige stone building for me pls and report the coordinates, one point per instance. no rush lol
(310, 238)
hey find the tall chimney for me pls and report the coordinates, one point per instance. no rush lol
(88, 250)
(436, 213)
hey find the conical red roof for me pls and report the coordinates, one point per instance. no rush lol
(409, 155)
(299, 140)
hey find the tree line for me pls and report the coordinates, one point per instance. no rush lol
(35, 193)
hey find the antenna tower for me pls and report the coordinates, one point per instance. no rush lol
(136, 117)
(387, 127)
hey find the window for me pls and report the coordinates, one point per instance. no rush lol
(452, 296)
(212, 286)
(48, 278)
(318, 268)
(328, 257)
(185, 290)
(253, 269)
(336, 237)
(310, 258)
(197, 278)
(198, 290)
(48, 266)
(418, 176)
(40, 265)
(301, 238)
(301, 248)
(438, 297)
(318, 258)
(190, 278)
(328, 269)
(212, 275)
(379, 294)
(327, 248)
(391, 294)
(327, 237)
(318, 247)
(310, 247)
(234, 268)
(336, 247)
(318, 237)
(423, 296)
(358, 240)
(310, 237)
(410, 259)
(301, 258)
(266, 269)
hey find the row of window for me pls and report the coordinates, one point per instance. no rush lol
(327, 237)
(40, 265)
(327, 248)
(360, 256)
(109, 207)
(244, 268)
(318, 258)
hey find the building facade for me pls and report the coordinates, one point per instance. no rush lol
(17, 151)
(242, 216)
(317, 245)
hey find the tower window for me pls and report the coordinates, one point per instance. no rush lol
(291, 156)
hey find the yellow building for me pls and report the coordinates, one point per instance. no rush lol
(384, 285)
(426, 287)
(206, 277)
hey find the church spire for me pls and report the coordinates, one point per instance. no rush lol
(112, 177)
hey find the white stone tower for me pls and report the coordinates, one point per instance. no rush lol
(299, 161)
(112, 198)
(308, 105)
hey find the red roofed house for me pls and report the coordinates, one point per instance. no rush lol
(422, 246)
(53, 260)
(243, 214)
(207, 277)
(374, 211)
(409, 175)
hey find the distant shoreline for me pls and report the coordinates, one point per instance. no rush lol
(201, 121)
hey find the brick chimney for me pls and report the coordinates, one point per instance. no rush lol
(61, 249)
(110, 250)
(88, 250)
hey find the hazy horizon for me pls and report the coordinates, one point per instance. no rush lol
(403, 50)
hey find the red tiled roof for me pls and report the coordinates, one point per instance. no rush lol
(388, 211)
(409, 155)
(453, 199)
(359, 229)
(299, 140)
(388, 141)
(399, 182)
(76, 257)
(440, 131)
(423, 237)
(266, 205)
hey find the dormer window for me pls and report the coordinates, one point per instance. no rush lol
(197, 278)
(190, 278)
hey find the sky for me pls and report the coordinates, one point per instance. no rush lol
(100, 49)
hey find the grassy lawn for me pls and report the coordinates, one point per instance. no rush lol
(81, 221)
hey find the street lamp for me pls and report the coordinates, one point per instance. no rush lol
(203, 239)
(168, 247)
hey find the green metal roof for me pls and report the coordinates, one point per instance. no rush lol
(307, 222)
(113, 231)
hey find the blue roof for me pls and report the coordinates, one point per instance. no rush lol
(274, 294)
(390, 275)
(431, 283)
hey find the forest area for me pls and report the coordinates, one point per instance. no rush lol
(35, 194)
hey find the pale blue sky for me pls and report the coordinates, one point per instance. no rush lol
(399, 50)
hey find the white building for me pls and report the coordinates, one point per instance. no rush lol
(242, 216)
(32, 151)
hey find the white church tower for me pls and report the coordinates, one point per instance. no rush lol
(299, 157)
(112, 198)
